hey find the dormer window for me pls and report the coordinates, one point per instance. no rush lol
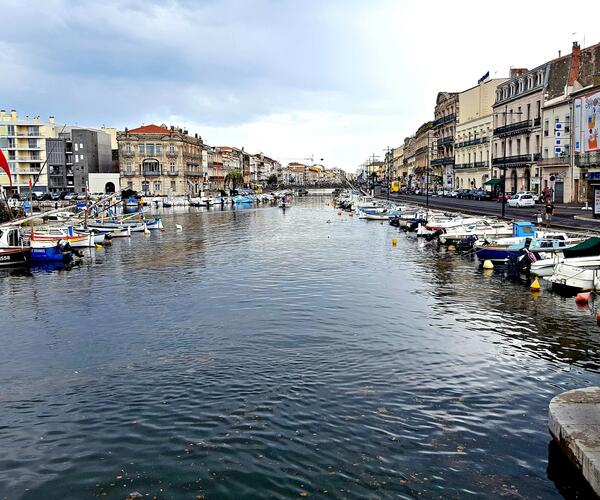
(521, 84)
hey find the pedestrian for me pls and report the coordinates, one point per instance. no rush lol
(549, 211)
(539, 218)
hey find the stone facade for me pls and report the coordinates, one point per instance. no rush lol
(444, 130)
(472, 143)
(158, 161)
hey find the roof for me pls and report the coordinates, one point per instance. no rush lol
(150, 129)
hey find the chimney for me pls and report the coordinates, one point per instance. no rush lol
(575, 64)
(13, 114)
(51, 120)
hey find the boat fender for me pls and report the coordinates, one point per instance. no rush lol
(535, 286)
(99, 247)
(451, 248)
(582, 298)
(488, 264)
(394, 242)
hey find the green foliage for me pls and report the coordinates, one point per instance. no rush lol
(272, 180)
(234, 178)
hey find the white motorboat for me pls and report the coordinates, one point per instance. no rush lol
(567, 277)
(584, 255)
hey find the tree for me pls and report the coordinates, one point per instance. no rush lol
(272, 180)
(234, 178)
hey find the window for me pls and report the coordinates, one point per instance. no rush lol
(546, 127)
(520, 85)
(76, 157)
(128, 167)
(173, 185)
(528, 111)
(128, 148)
(527, 145)
(172, 167)
(518, 146)
(537, 143)
(567, 123)
(172, 148)
(129, 184)
(157, 187)
(33, 130)
(145, 186)
(76, 147)
(149, 149)
(81, 145)
(158, 149)
(32, 143)
(141, 149)
(545, 152)
(538, 106)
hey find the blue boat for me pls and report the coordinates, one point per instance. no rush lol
(525, 237)
(49, 251)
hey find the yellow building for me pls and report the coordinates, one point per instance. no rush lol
(23, 142)
(473, 139)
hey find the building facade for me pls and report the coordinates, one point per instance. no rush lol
(444, 130)
(516, 144)
(158, 161)
(472, 143)
(74, 155)
(424, 173)
(24, 144)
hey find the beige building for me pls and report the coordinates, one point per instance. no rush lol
(398, 170)
(408, 177)
(23, 142)
(424, 173)
(157, 161)
(517, 144)
(472, 143)
(444, 130)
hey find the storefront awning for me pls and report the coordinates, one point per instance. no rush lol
(493, 182)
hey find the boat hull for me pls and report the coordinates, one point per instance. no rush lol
(48, 252)
(14, 256)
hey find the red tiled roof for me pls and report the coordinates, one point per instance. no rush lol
(150, 129)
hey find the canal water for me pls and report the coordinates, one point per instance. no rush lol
(267, 354)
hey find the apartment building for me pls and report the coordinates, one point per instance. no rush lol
(423, 171)
(23, 141)
(156, 160)
(444, 129)
(474, 127)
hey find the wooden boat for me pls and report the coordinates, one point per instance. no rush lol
(14, 256)
(50, 251)
(63, 234)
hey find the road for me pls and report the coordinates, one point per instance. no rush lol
(563, 218)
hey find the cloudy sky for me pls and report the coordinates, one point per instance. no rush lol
(338, 79)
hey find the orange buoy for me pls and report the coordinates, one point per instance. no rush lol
(598, 318)
(582, 298)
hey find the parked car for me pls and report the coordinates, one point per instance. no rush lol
(417, 191)
(453, 194)
(535, 196)
(81, 196)
(69, 196)
(521, 200)
(462, 193)
(507, 197)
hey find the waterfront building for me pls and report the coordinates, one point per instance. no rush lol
(74, 155)
(516, 144)
(292, 175)
(24, 144)
(156, 160)
(423, 170)
(444, 130)
(398, 170)
(216, 172)
(409, 162)
(472, 142)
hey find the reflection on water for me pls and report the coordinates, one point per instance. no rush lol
(263, 353)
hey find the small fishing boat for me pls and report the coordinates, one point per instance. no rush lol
(243, 199)
(64, 234)
(13, 250)
(50, 251)
(525, 237)
(571, 279)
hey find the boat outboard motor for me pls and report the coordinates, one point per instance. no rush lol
(466, 244)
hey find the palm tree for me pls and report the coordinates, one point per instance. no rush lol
(235, 178)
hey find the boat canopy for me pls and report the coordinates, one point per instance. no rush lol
(587, 248)
(493, 182)
(523, 228)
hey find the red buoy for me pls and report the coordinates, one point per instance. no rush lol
(582, 298)
(598, 319)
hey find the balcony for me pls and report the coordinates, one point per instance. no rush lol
(448, 160)
(472, 142)
(174, 173)
(513, 128)
(445, 140)
(476, 164)
(128, 154)
(26, 160)
(556, 161)
(513, 161)
(421, 150)
(588, 160)
(444, 120)
(128, 173)
(171, 154)
(537, 121)
(151, 172)
(194, 174)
